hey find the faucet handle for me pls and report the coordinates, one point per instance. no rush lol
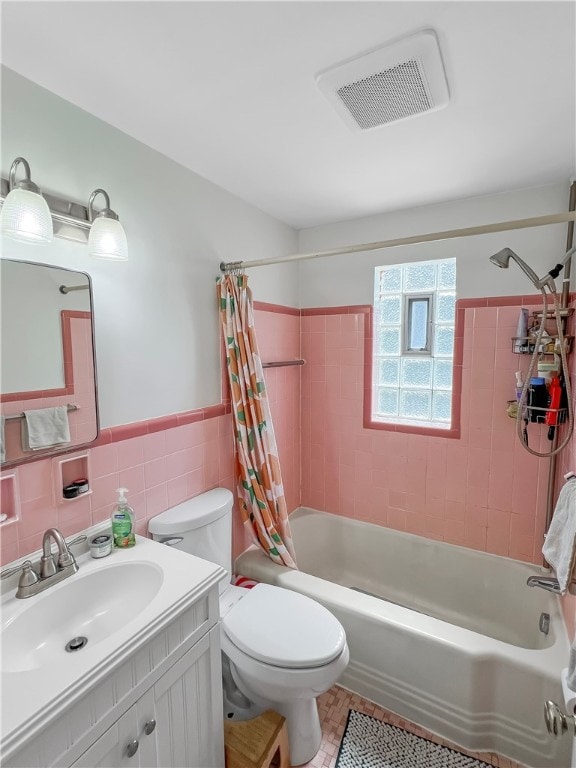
(28, 576)
(7, 572)
(66, 558)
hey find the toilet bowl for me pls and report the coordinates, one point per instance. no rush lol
(283, 649)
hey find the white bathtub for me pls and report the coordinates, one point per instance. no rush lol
(466, 659)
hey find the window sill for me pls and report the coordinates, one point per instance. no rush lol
(421, 424)
(413, 428)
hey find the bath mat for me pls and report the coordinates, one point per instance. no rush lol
(370, 743)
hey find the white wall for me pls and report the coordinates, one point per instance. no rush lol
(157, 343)
(342, 280)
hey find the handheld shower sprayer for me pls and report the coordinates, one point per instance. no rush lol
(502, 260)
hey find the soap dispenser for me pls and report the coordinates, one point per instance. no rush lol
(123, 522)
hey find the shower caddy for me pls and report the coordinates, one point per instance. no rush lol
(525, 345)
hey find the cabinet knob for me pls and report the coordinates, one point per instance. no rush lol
(132, 748)
(149, 727)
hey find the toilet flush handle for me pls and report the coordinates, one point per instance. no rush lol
(171, 540)
(557, 722)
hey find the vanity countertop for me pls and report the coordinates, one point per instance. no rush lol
(39, 678)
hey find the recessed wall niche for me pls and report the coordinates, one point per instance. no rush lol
(9, 499)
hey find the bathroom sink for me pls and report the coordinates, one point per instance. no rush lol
(92, 606)
(121, 604)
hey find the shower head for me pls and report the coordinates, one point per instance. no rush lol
(502, 259)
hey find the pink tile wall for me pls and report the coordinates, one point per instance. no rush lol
(482, 491)
(165, 461)
(160, 470)
(279, 339)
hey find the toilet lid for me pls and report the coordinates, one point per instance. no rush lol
(284, 628)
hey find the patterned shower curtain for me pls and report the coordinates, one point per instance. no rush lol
(260, 490)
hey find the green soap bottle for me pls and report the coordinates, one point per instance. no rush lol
(123, 522)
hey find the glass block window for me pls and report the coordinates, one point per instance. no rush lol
(414, 317)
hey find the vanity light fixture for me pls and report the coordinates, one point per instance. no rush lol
(25, 214)
(107, 239)
(28, 216)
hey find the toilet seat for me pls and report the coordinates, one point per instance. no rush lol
(282, 683)
(283, 628)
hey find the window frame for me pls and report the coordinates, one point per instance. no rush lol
(407, 300)
(372, 386)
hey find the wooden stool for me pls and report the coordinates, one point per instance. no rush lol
(255, 743)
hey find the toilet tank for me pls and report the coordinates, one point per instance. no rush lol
(204, 525)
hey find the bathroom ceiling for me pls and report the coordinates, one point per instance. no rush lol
(228, 89)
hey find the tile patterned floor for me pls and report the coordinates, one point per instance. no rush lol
(333, 707)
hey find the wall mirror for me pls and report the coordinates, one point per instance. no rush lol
(47, 361)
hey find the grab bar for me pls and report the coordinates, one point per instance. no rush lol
(282, 363)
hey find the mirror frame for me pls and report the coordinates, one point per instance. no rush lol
(49, 452)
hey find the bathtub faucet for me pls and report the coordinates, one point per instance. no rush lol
(549, 583)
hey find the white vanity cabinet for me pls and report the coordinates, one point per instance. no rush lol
(126, 742)
(186, 708)
(172, 724)
(160, 708)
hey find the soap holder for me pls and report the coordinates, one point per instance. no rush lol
(71, 477)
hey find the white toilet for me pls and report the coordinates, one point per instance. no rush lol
(284, 649)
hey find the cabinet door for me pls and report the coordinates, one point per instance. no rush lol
(126, 743)
(189, 710)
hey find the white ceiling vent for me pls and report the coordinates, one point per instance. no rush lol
(400, 80)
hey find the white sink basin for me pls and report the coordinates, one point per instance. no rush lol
(119, 603)
(93, 606)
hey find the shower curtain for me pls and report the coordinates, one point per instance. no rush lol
(260, 490)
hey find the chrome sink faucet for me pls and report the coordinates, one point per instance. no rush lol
(51, 571)
(66, 559)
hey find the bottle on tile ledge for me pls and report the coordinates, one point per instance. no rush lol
(521, 338)
(519, 385)
(123, 522)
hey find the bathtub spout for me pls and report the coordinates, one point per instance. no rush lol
(549, 583)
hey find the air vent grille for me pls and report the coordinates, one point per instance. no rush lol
(401, 80)
(387, 96)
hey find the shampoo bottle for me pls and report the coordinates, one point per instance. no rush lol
(555, 396)
(123, 522)
(519, 385)
(521, 338)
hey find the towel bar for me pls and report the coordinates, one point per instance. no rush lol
(282, 363)
(70, 407)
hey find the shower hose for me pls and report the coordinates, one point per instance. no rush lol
(522, 404)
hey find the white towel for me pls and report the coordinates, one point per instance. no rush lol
(44, 428)
(559, 546)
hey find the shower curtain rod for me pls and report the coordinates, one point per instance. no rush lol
(483, 229)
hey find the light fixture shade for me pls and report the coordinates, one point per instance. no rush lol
(25, 216)
(107, 239)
